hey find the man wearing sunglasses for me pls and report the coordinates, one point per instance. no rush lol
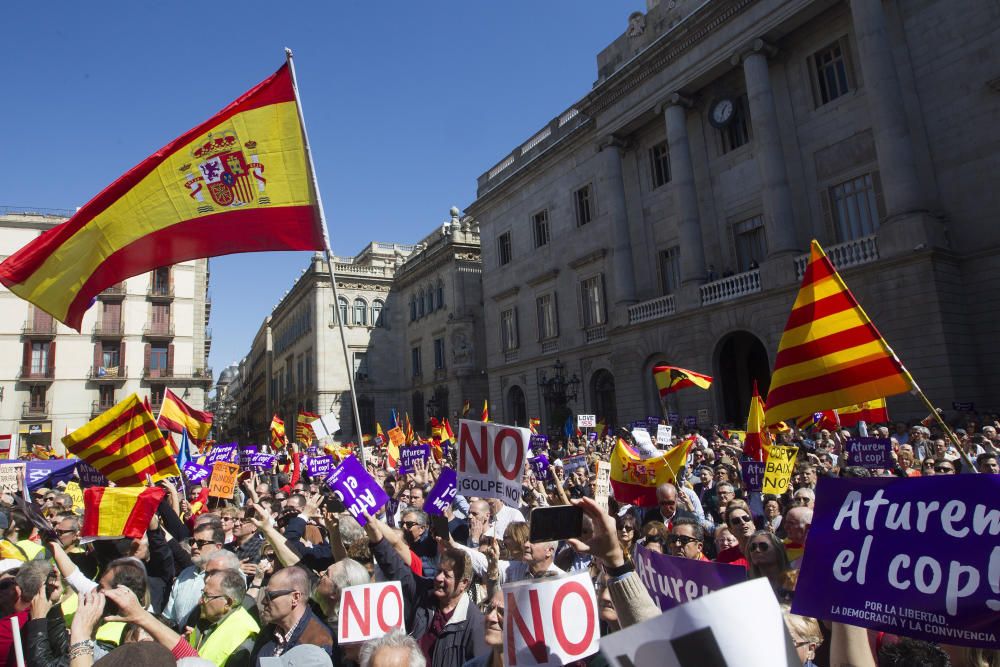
(186, 592)
(284, 610)
(687, 540)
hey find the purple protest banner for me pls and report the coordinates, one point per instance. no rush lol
(197, 473)
(690, 421)
(262, 461)
(443, 492)
(89, 475)
(538, 442)
(672, 580)
(319, 466)
(540, 466)
(246, 455)
(228, 453)
(869, 452)
(753, 474)
(593, 436)
(652, 423)
(410, 453)
(673, 418)
(571, 463)
(918, 557)
(356, 488)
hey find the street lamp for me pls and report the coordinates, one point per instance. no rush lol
(558, 390)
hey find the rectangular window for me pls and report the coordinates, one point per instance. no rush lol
(158, 357)
(438, 353)
(582, 203)
(289, 374)
(659, 164)
(592, 298)
(161, 281)
(360, 365)
(670, 269)
(106, 396)
(156, 395)
(540, 222)
(39, 358)
(415, 361)
(831, 72)
(309, 368)
(508, 329)
(751, 245)
(110, 355)
(737, 132)
(548, 317)
(504, 249)
(37, 397)
(855, 207)
(300, 374)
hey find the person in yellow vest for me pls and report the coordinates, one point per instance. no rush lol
(24, 535)
(225, 632)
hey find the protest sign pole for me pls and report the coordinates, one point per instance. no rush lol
(329, 256)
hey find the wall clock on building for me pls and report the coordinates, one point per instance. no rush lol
(721, 112)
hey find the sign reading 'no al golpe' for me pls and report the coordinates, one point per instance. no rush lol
(491, 460)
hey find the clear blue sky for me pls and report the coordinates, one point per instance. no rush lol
(406, 104)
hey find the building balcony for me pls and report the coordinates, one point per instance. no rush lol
(160, 292)
(198, 375)
(41, 329)
(109, 329)
(510, 356)
(844, 255)
(33, 374)
(550, 345)
(653, 309)
(108, 373)
(595, 334)
(732, 287)
(158, 330)
(98, 407)
(32, 410)
(440, 374)
(116, 291)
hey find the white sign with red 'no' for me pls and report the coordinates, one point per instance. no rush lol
(369, 611)
(550, 621)
(491, 460)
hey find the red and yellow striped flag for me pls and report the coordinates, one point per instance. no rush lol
(119, 512)
(757, 441)
(466, 406)
(871, 412)
(239, 182)
(533, 424)
(176, 415)
(485, 417)
(277, 432)
(671, 378)
(830, 354)
(124, 444)
(303, 427)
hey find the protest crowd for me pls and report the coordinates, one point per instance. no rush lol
(258, 578)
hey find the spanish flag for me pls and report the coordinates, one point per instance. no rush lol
(466, 406)
(239, 182)
(176, 416)
(671, 378)
(756, 442)
(124, 444)
(830, 354)
(871, 412)
(110, 513)
(533, 424)
(379, 435)
(485, 417)
(277, 432)
(634, 479)
(303, 429)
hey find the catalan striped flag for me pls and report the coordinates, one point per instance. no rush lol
(756, 442)
(871, 412)
(303, 431)
(408, 428)
(177, 416)
(277, 432)
(830, 353)
(238, 182)
(533, 424)
(671, 378)
(124, 444)
(485, 417)
(110, 513)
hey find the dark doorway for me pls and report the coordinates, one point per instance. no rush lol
(741, 359)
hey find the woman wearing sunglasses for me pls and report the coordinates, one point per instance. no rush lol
(768, 559)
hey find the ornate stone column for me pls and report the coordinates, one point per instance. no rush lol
(779, 217)
(692, 249)
(613, 196)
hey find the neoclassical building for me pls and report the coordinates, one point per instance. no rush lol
(664, 217)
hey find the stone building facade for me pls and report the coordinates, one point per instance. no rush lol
(664, 216)
(143, 335)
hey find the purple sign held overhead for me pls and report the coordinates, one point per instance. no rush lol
(571, 463)
(197, 473)
(357, 489)
(652, 423)
(593, 436)
(869, 452)
(246, 454)
(408, 454)
(753, 475)
(443, 492)
(672, 580)
(540, 466)
(319, 466)
(228, 453)
(917, 556)
(262, 461)
(89, 475)
(538, 442)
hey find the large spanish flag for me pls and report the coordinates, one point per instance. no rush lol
(634, 479)
(239, 182)
(176, 415)
(119, 512)
(871, 412)
(830, 354)
(124, 444)
(671, 378)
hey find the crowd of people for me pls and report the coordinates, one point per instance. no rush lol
(234, 583)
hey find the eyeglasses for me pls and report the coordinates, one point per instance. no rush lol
(626, 529)
(50, 499)
(759, 546)
(801, 499)
(492, 607)
(228, 518)
(943, 469)
(271, 596)
(199, 543)
(740, 518)
(65, 532)
(209, 598)
(410, 524)
(683, 540)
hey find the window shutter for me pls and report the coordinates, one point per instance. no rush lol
(539, 318)
(170, 360)
(517, 330)
(26, 365)
(604, 300)
(98, 355)
(827, 207)
(52, 358)
(555, 314)
(147, 354)
(581, 303)
(879, 199)
(121, 359)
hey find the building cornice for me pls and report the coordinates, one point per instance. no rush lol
(542, 278)
(589, 258)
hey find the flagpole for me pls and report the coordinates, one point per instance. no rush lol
(329, 257)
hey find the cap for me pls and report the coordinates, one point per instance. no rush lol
(8, 564)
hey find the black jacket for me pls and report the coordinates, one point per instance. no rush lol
(46, 640)
(654, 515)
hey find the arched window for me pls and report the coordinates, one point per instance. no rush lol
(413, 308)
(440, 294)
(342, 307)
(420, 304)
(430, 299)
(377, 307)
(360, 312)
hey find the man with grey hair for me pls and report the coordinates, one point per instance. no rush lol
(225, 631)
(342, 574)
(394, 649)
(207, 554)
(418, 537)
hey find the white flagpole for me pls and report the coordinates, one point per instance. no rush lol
(329, 261)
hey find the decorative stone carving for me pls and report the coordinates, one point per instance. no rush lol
(636, 24)
(462, 346)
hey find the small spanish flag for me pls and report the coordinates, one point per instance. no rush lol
(672, 378)
(178, 416)
(757, 441)
(110, 513)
